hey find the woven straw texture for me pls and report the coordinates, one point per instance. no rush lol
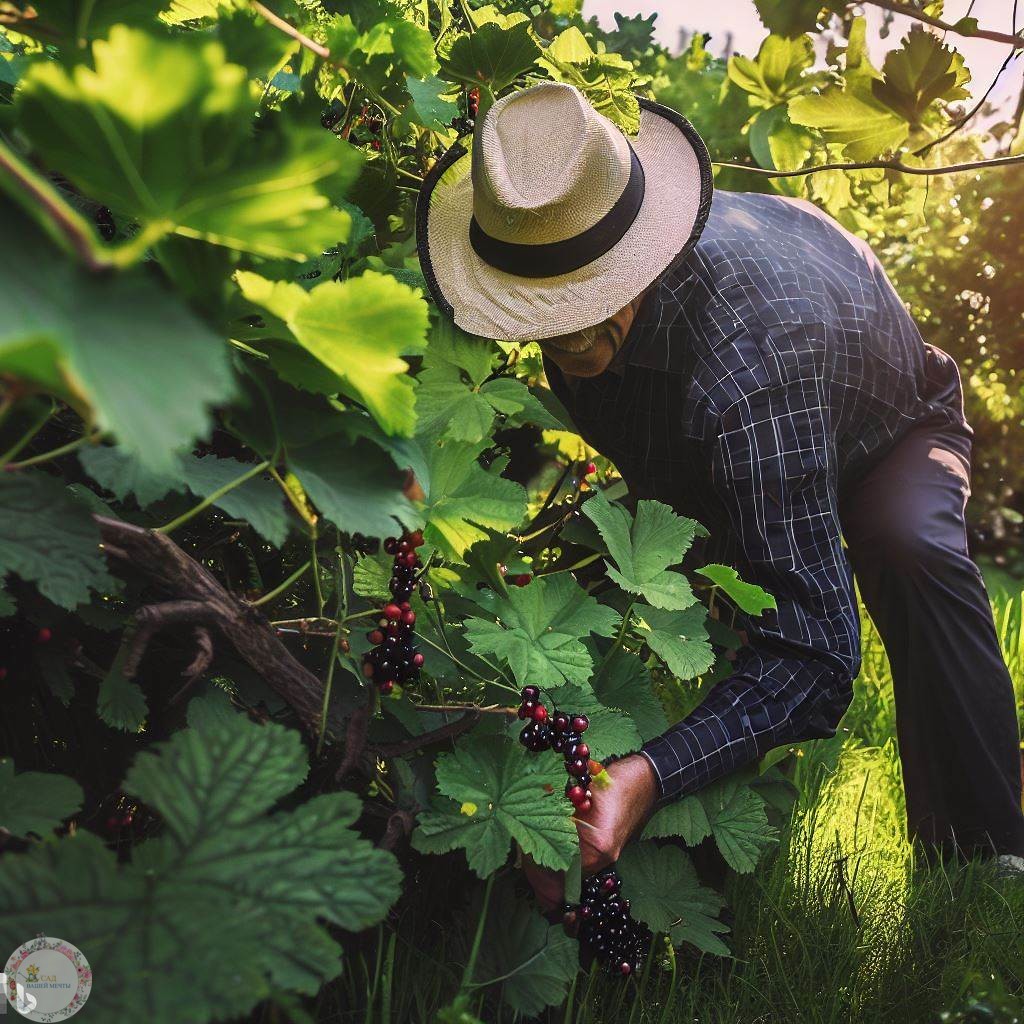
(549, 167)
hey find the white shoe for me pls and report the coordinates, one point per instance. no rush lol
(1009, 866)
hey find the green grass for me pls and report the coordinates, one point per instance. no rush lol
(844, 923)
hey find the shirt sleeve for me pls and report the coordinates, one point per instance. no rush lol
(773, 468)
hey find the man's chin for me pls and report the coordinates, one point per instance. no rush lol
(582, 364)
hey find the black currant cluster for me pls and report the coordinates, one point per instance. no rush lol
(561, 732)
(604, 926)
(394, 658)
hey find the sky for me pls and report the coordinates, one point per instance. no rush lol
(740, 17)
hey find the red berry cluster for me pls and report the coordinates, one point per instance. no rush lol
(473, 103)
(563, 733)
(604, 926)
(394, 658)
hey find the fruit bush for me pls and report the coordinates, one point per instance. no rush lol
(280, 548)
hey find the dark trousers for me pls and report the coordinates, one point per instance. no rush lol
(955, 710)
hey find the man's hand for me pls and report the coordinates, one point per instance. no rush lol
(617, 812)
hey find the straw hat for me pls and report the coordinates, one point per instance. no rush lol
(556, 220)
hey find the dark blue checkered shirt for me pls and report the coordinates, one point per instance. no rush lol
(763, 376)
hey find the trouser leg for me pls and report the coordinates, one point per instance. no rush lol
(955, 709)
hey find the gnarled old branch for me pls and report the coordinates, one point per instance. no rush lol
(196, 596)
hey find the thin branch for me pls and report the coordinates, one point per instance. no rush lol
(290, 30)
(867, 165)
(444, 732)
(929, 19)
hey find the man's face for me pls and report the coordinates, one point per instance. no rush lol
(588, 352)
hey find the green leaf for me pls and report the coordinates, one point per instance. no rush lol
(114, 126)
(117, 346)
(433, 109)
(607, 80)
(355, 485)
(536, 960)
(65, 23)
(643, 547)
(371, 575)
(358, 329)
(123, 473)
(223, 880)
(7, 604)
(748, 597)
(120, 701)
(611, 731)
(680, 639)
(777, 143)
(492, 56)
(789, 17)
(778, 71)
(464, 500)
(729, 810)
(35, 802)
(920, 72)
(862, 126)
(498, 796)
(258, 501)
(662, 887)
(540, 630)
(624, 682)
(49, 538)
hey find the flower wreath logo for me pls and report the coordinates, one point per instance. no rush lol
(47, 979)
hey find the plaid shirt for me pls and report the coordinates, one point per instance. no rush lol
(763, 376)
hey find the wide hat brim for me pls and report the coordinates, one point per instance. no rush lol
(494, 304)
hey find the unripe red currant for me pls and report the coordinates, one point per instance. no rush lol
(416, 539)
(392, 611)
(582, 751)
(387, 686)
(45, 635)
(591, 469)
(580, 723)
(375, 637)
(530, 692)
(540, 713)
(522, 579)
(368, 669)
(417, 659)
(408, 618)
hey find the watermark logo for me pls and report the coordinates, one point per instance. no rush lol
(46, 979)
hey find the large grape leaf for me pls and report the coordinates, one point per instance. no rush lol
(116, 127)
(643, 547)
(492, 56)
(663, 889)
(406, 49)
(358, 329)
(680, 639)
(65, 23)
(622, 681)
(920, 72)
(864, 127)
(456, 400)
(536, 961)
(224, 883)
(748, 597)
(35, 801)
(730, 811)
(607, 79)
(497, 797)
(463, 500)
(790, 17)
(539, 631)
(778, 71)
(48, 537)
(120, 348)
(432, 106)
(354, 484)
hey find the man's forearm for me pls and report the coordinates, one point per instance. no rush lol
(769, 702)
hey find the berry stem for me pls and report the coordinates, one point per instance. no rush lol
(467, 974)
(27, 437)
(619, 637)
(56, 453)
(342, 608)
(214, 497)
(281, 587)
